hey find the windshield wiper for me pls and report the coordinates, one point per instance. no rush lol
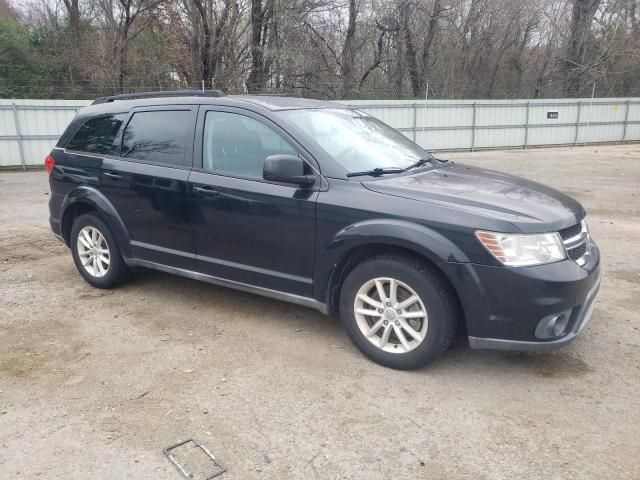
(376, 172)
(419, 163)
(382, 171)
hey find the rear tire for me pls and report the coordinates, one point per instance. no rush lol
(398, 311)
(96, 253)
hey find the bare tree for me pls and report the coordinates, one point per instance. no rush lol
(339, 48)
(212, 23)
(582, 14)
(73, 9)
(261, 25)
(419, 59)
(123, 21)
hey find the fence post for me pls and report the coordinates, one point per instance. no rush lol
(575, 139)
(18, 134)
(473, 129)
(626, 121)
(415, 120)
(526, 127)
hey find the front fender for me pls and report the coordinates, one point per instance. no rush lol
(418, 238)
(91, 196)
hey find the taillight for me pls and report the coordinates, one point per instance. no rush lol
(49, 163)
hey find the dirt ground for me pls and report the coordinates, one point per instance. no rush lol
(94, 384)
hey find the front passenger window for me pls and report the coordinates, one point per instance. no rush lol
(237, 145)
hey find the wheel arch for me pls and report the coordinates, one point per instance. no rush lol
(356, 244)
(86, 199)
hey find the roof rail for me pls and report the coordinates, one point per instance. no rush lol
(295, 95)
(165, 93)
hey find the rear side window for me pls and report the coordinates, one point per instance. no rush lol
(158, 136)
(97, 135)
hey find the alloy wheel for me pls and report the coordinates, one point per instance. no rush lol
(93, 251)
(391, 315)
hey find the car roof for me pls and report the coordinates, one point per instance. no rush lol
(283, 102)
(267, 102)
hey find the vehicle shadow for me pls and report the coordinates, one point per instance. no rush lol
(193, 300)
(188, 296)
(561, 363)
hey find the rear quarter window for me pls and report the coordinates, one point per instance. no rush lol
(97, 135)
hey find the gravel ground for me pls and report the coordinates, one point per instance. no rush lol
(94, 384)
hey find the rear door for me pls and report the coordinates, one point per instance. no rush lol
(147, 183)
(245, 228)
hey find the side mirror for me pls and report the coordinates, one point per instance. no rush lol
(286, 169)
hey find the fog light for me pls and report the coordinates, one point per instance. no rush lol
(552, 325)
(560, 325)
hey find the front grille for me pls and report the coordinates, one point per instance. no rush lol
(571, 231)
(578, 252)
(576, 242)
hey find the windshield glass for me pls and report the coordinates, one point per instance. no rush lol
(357, 141)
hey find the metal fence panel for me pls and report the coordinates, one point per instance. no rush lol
(499, 137)
(554, 135)
(478, 124)
(30, 128)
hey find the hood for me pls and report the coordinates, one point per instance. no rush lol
(530, 206)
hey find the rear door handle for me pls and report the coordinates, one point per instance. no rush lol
(112, 175)
(206, 190)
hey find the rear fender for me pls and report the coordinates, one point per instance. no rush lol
(91, 196)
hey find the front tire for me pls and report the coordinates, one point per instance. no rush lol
(96, 253)
(398, 311)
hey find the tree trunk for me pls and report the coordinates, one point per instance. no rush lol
(218, 43)
(256, 82)
(346, 60)
(582, 14)
(428, 41)
(123, 61)
(205, 47)
(73, 9)
(419, 73)
(410, 52)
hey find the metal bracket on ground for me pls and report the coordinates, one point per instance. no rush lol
(194, 461)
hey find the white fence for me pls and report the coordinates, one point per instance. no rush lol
(479, 124)
(30, 128)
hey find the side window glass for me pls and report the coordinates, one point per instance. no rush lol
(158, 136)
(97, 135)
(237, 145)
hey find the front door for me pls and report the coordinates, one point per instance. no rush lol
(246, 229)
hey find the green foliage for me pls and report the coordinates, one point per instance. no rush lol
(151, 54)
(21, 72)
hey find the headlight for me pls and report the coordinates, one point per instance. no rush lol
(523, 250)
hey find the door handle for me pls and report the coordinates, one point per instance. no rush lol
(112, 175)
(206, 190)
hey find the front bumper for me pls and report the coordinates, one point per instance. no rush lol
(582, 315)
(503, 305)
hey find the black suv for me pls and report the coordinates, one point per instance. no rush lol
(322, 205)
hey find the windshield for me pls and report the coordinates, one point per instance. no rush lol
(357, 141)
